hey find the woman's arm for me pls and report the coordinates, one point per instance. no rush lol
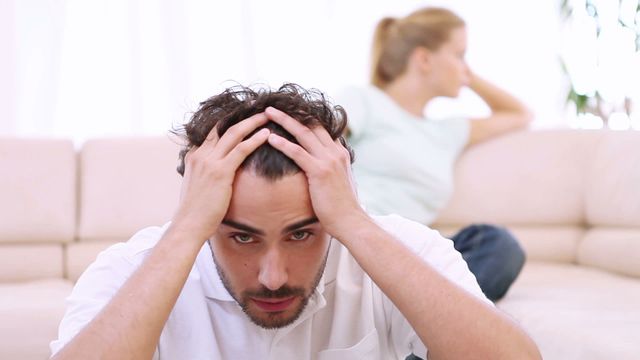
(507, 112)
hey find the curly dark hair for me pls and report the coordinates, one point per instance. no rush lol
(309, 107)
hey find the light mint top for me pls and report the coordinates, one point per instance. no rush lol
(403, 163)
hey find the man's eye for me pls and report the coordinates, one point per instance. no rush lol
(300, 235)
(242, 238)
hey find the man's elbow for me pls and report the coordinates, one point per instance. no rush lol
(531, 354)
(527, 350)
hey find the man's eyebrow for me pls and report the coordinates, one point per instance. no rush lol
(289, 228)
(299, 224)
(242, 227)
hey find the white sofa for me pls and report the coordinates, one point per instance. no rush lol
(573, 200)
(572, 197)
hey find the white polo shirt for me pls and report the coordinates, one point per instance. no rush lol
(347, 317)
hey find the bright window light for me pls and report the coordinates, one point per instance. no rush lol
(619, 121)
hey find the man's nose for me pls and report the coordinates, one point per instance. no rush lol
(273, 270)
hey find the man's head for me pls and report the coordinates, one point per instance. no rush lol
(235, 104)
(270, 250)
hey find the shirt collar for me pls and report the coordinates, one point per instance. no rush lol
(211, 282)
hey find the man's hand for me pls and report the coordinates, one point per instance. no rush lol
(209, 173)
(326, 164)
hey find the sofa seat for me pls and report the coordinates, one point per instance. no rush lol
(596, 313)
(30, 313)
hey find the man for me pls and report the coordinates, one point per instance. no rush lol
(269, 255)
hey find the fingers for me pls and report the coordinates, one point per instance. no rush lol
(344, 152)
(212, 136)
(314, 142)
(240, 152)
(190, 153)
(305, 136)
(293, 151)
(234, 135)
(323, 135)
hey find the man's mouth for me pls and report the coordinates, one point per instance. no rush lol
(274, 305)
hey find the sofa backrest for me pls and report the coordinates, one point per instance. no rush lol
(612, 205)
(126, 184)
(569, 195)
(37, 206)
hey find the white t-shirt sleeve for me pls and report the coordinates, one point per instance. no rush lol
(99, 283)
(458, 131)
(439, 253)
(354, 102)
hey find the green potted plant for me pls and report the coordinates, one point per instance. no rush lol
(601, 58)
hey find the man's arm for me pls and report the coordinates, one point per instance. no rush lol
(451, 322)
(129, 326)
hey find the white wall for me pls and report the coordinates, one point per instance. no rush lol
(84, 68)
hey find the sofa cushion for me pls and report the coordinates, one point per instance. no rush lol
(613, 249)
(30, 314)
(540, 243)
(577, 312)
(549, 243)
(126, 184)
(20, 262)
(526, 178)
(38, 190)
(613, 181)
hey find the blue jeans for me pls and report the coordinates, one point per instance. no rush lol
(493, 256)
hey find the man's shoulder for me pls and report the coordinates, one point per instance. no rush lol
(135, 249)
(394, 223)
(415, 235)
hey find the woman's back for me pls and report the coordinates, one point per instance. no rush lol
(404, 163)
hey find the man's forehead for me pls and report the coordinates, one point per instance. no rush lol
(269, 204)
(247, 179)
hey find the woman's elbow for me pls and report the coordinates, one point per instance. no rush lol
(526, 117)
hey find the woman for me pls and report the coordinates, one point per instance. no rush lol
(405, 160)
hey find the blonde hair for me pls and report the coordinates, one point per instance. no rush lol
(395, 39)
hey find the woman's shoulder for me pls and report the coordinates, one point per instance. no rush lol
(364, 94)
(359, 105)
